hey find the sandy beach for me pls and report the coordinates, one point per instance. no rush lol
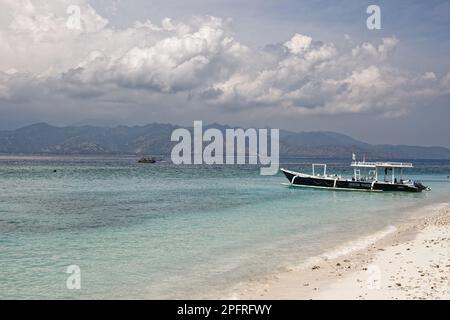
(408, 261)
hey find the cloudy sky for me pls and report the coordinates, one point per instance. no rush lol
(298, 65)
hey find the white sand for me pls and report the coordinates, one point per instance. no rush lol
(411, 263)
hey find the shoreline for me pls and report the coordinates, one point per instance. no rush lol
(408, 261)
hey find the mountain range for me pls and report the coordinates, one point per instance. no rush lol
(154, 139)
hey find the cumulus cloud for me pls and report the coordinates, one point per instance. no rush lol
(298, 44)
(199, 62)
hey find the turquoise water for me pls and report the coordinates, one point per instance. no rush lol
(165, 231)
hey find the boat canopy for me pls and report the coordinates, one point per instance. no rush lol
(365, 164)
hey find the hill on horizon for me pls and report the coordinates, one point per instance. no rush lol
(154, 138)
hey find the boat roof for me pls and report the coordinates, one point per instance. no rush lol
(383, 164)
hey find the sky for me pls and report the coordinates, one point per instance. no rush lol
(295, 65)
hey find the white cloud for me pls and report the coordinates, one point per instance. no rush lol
(298, 44)
(199, 62)
(429, 76)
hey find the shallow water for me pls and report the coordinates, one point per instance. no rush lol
(165, 231)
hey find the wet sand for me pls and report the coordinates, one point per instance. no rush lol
(411, 262)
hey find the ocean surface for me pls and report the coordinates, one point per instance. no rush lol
(163, 231)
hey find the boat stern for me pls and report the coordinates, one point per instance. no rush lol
(420, 187)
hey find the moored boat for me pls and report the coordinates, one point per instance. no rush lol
(358, 182)
(147, 160)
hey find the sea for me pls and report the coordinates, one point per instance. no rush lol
(165, 231)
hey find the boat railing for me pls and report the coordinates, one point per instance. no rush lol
(323, 165)
(382, 164)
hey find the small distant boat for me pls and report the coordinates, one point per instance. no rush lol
(359, 182)
(147, 160)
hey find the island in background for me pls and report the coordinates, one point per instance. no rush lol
(42, 138)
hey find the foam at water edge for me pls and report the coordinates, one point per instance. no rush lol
(359, 244)
(428, 208)
(436, 206)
